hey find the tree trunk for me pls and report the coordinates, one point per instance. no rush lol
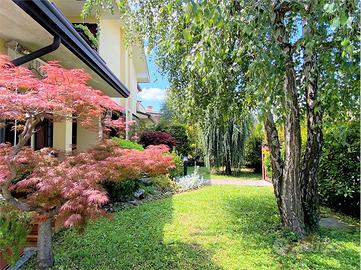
(45, 252)
(228, 169)
(290, 187)
(312, 155)
(291, 193)
(276, 159)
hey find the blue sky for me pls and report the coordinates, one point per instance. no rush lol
(153, 93)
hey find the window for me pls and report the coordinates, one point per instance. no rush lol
(2, 133)
(74, 134)
(44, 135)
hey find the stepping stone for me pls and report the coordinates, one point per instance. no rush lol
(334, 223)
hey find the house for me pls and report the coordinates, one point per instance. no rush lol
(153, 114)
(32, 32)
(142, 114)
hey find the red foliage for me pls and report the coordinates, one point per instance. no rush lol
(67, 189)
(61, 94)
(156, 138)
(72, 185)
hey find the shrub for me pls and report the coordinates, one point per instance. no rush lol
(164, 183)
(179, 133)
(127, 144)
(14, 227)
(178, 170)
(267, 163)
(253, 153)
(339, 181)
(156, 138)
(192, 181)
(121, 191)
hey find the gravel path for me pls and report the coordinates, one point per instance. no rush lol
(256, 183)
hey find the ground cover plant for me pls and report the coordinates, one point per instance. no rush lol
(216, 227)
(127, 144)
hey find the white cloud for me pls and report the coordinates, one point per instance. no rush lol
(152, 94)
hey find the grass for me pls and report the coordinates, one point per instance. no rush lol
(244, 174)
(216, 227)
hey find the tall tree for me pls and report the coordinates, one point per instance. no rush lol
(224, 141)
(292, 60)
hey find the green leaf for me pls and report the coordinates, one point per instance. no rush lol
(329, 8)
(187, 35)
(345, 42)
(335, 23)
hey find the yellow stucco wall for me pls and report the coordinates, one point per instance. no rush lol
(3, 49)
(86, 138)
(78, 19)
(109, 44)
(62, 135)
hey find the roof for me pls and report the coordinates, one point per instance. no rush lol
(54, 21)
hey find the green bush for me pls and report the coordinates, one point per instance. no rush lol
(267, 163)
(178, 170)
(148, 189)
(179, 133)
(127, 144)
(164, 183)
(253, 153)
(14, 227)
(121, 191)
(339, 181)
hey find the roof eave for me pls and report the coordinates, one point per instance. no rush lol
(52, 19)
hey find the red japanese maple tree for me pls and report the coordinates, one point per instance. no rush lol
(63, 190)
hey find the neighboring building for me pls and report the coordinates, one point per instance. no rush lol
(142, 114)
(154, 115)
(27, 26)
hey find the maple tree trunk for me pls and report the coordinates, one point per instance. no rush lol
(45, 252)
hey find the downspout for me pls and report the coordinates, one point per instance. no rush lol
(38, 53)
(126, 120)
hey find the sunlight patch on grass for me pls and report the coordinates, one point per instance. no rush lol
(244, 174)
(216, 227)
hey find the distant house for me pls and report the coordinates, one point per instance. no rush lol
(147, 113)
(154, 115)
(31, 26)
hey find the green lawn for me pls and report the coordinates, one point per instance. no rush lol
(244, 174)
(216, 227)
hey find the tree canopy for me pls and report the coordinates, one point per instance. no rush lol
(286, 61)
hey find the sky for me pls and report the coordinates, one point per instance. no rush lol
(153, 93)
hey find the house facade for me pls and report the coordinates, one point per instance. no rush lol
(33, 32)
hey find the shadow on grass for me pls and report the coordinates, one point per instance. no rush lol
(132, 239)
(257, 221)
